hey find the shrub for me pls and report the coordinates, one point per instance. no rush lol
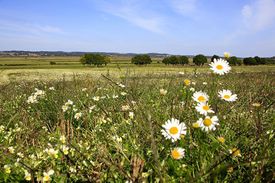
(141, 59)
(52, 63)
(199, 59)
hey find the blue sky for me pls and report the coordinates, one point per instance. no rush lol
(241, 27)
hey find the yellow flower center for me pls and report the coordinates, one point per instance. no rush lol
(221, 140)
(236, 152)
(174, 130)
(196, 125)
(205, 107)
(219, 67)
(187, 82)
(46, 178)
(226, 96)
(175, 154)
(8, 170)
(28, 177)
(207, 122)
(201, 99)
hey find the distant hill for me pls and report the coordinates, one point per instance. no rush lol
(79, 53)
(62, 53)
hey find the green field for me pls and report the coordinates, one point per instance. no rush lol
(39, 68)
(73, 123)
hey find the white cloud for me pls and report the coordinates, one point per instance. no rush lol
(247, 12)
(135, 13)
(259, 15)
(49, 29)
(184, 7)
(29, 28)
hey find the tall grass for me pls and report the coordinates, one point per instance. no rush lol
(118, 134)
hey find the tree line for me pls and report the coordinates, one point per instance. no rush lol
(144, 59)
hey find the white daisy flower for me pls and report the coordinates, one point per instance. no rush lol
(163, 91)
(204, 108)
(39, 92)
(177, 153)
(62, 139)
(47, 175)
(115, 96)
(65, 149)
(92, 108)
(220, 66)
(32, 99)
(96, 98)
(173, 129)
(208, 123)
(227, 95)
(125, 107)
(7, 169)
(121, 85)
(65, 108)
(131, 115)
(28, 176)
(52, 152)
(11, 150)
(78, 115)
(51, 88)
(69, 102)
(123, 93)
(200, 97)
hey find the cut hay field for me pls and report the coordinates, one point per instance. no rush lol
(126, 123)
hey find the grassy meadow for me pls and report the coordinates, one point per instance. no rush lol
(70, 123)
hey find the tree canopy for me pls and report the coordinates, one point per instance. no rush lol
(174, 60)
(141, 59)
(199, 59)
(94, 59)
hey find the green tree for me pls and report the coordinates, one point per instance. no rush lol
(214, 57)
(174, 60)
(260, 60)
(142, 59)
(166, 60)
(199, 59)
(249, 61)
(183, 60)
(233, 60)
(95, 59)
(239, 61)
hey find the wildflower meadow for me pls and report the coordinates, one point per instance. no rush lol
(214, 126)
